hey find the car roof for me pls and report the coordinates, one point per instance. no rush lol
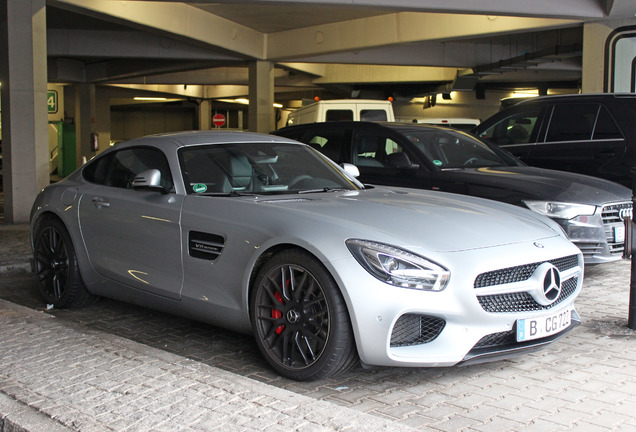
(366, 124)
(584, 96)
(188, 138)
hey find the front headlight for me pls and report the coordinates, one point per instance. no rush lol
(398, 267)
(559, 210)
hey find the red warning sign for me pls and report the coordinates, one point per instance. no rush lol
(218, 120)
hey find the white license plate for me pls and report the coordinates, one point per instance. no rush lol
(547, 325)
(619, 234)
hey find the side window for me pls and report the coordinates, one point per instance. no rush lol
(95, 171)
(371, 150)
(605, 127)
(518, 128)
(331, 143)
(339, 115)
(120, 169)
(572, 122)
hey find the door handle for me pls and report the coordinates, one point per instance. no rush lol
(100, 202)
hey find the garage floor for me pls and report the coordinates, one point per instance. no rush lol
(113, 366)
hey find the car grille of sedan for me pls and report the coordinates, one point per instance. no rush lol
(414, 329)
(522, 272)
(522, 301)
(613, 216)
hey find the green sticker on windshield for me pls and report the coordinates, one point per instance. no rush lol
(437, 162)
(199, 188)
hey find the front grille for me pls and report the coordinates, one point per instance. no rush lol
(522, 301)
(521, 273)
(612, 216)
(413, 329)
(590, 249)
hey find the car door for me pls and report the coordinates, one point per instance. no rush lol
(580, 137)
(133, 236)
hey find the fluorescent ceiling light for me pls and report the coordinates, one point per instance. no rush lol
(145, 98)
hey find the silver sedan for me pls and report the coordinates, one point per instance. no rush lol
(262, 234)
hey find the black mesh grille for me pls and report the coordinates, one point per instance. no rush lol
(522, 301)
(412, 329)
(521, 273)
(497, 339)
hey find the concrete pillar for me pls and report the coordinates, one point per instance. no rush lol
(205, 115)
(23, 75)
(261, 95)
(84, 121)
(609, 57)
(102, 117)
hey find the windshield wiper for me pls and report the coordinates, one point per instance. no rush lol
(226, 194)
(325, 189)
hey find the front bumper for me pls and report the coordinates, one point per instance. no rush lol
(599, 236)
(406, 327)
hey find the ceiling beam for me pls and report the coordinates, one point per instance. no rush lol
(568, 9)
(394, 29)
(177, 19)
(127, 44)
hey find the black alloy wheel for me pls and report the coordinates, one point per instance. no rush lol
(300, 320)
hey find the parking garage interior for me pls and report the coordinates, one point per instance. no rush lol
(79, 76)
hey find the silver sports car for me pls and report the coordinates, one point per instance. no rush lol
(262, 234)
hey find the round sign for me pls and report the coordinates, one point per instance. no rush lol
(218, 120)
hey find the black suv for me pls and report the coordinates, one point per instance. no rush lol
(590, 210)
(593, 134)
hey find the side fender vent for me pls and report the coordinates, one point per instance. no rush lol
(205, 246)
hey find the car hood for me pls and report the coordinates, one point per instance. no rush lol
(440, 221)
(539, 184)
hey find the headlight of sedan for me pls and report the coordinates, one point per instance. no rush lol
(559, 210)
(398, 267)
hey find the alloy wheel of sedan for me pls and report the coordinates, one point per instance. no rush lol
(300, 319)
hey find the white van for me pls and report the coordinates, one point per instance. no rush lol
(343, 109)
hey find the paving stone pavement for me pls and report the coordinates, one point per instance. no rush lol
(118, 367)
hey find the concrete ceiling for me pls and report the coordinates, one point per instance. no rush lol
(400, 48)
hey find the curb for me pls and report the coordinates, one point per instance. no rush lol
(16, 416)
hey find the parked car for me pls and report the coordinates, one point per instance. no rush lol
(261, 234)
(590, 210)
(593, 134)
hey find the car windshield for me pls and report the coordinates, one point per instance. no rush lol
(450, 149)
(259, 168)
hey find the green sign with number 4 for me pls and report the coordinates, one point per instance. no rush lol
(51, 101)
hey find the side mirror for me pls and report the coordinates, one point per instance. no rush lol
(149, 180)
(350, 169)
(401, 161)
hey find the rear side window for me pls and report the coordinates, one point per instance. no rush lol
(578, 122)
(605, 127)
(339, 115)
(572, 122)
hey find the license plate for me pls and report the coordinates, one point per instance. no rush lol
(619, 234)
(547, 325)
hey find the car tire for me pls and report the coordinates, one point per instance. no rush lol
(56, 267)
(300, 318)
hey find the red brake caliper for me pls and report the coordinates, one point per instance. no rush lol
(276, 314)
